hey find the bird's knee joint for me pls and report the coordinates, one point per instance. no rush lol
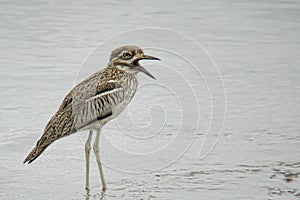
(96, 148)
(87, 147)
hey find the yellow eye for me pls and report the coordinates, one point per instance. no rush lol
(127, 55)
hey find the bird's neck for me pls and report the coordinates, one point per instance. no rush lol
(118, 69)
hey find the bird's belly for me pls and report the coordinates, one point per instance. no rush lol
(99, 124)
(121, 106)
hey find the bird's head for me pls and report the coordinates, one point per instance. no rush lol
(127, 58)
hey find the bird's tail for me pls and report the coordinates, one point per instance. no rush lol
(41, 144)
(35, 152)
(59, 126)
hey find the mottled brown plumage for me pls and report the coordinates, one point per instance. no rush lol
(96, 100)
(69, 117)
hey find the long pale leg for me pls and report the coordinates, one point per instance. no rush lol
(87, 160)
(96, 151)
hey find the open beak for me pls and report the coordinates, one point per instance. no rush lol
(142, 69)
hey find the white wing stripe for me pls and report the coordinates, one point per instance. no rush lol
(104, 93)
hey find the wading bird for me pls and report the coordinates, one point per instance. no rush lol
(95, 101)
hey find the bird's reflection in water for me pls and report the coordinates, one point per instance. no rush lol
(97, 196)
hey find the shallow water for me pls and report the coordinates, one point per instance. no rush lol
(156, 149)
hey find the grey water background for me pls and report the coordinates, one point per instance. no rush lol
(256, 47)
